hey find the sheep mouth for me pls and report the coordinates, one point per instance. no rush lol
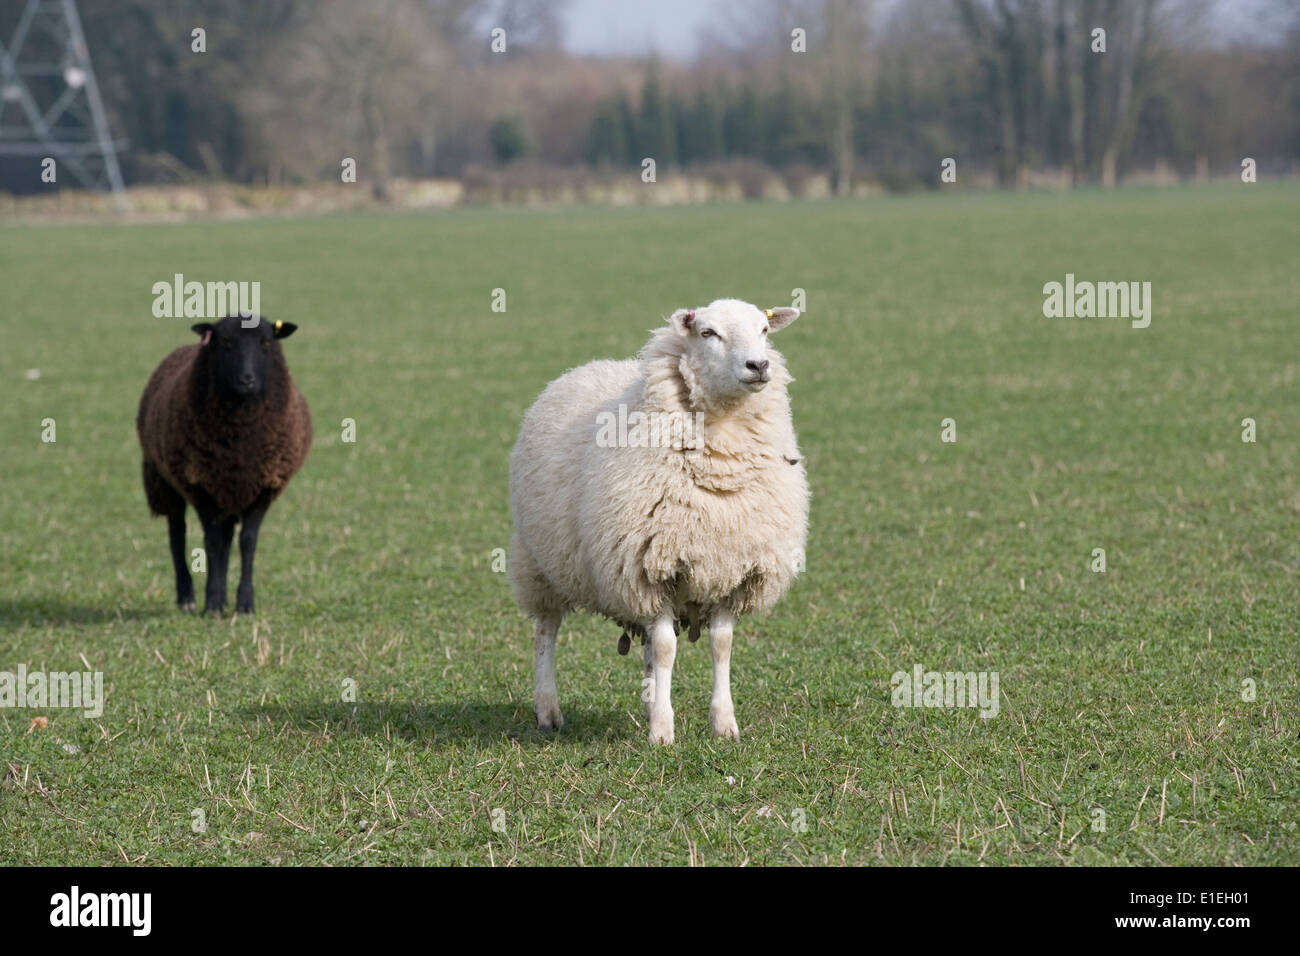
(755, 383)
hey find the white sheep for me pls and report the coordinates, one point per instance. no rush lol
(664, 488)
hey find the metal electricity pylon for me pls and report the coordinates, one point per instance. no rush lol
(49, 99)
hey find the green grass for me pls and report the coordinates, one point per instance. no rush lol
(1120, 691)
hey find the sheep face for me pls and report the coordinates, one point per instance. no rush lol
(726, 345)
(239, 356)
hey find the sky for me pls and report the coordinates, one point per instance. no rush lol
(670, 28)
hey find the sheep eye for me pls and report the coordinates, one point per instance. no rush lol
(765, 331)
(266, 343)
(708, 334)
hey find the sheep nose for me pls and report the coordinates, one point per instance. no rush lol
(759, 367)
(248, 381)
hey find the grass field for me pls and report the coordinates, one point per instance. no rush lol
(1120, 691)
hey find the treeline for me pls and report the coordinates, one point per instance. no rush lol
(283, 91)
(777, 126)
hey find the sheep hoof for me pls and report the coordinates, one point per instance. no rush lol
(661, 729)
(186, 606)
(724, 724)
(624, 644)
(548, 713)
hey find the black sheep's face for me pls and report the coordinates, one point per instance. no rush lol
(241, 355)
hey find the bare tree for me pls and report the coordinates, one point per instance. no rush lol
(1009, 37)
(844, 31)
(532, 26)
(1071, 15)
(1130, 37)
(360, 80)
(836, 51)
(1098, 93)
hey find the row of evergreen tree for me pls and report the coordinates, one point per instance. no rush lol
(777, 126)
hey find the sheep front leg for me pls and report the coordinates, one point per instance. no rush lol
(546, 698)
(248, 529)
(663, 650)
(648, 682)
(722, 715)
(217, 534)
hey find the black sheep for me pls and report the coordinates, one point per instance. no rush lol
(222, 427)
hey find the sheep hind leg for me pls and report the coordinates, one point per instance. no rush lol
(546, 698)
(163, 499)
(176, 538)
(722, 715)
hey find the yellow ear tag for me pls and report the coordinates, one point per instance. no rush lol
(768, 312)
(278, 324)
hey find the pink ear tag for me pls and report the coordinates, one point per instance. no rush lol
(207, 337)
(691, 315)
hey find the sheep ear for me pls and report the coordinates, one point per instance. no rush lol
(777, 319)
(683, 320)
(284, 329)
(204, 331)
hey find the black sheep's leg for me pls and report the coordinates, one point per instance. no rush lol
(248, 529)
(176, 535)
(217, 532)
(165, 500)
(227, 529)
(212, 545)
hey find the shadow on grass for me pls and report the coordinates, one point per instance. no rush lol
(47, 611)
(443, 722)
